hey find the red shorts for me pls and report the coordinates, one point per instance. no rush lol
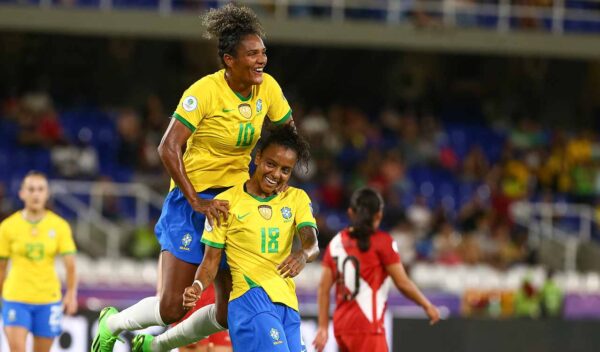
(362, 342)
(219, 339)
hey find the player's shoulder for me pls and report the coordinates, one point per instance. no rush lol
(12, 219)
(295, 193)
(205, 83)
(56, 219)
(231, 193)
(381, 238)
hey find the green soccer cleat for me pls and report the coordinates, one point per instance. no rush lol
(104, 340)
(142, 343)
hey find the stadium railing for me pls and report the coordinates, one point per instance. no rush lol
(557, 16)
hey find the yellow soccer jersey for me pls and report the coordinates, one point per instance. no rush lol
(258, 237)
(225, 128)
(31, 249)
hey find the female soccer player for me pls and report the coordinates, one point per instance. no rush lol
(360, 259)
(257, 239)
(218, 121)
(31, 295)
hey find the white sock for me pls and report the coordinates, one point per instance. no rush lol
(197, 326)
(141, 315)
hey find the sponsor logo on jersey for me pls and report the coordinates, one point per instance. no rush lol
(241, 217)
(185, 242)
(265, 211)
(245, 110)
(259, 105)
(190, 103)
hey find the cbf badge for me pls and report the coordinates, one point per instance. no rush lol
(185, 242)
(245, 110)
(286, 213)
(258, 105)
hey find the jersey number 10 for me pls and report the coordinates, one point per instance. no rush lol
(245, 135)
(344, 276)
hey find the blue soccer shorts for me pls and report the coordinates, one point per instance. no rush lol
(256, 324)
(42, 320)
(179, 228)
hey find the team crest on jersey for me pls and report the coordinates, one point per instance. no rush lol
(286, 212)
(52, 233)
(185, 242)
(275, 336)
(245, 110)
(190, 103)
(259, 105)
(265, 211)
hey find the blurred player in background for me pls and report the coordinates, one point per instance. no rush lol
(218, 121)
(257, 239)
(359, 260)
(31, 293)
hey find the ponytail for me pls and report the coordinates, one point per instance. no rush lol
(365, 203)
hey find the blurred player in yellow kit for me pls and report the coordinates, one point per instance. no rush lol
(31, 292)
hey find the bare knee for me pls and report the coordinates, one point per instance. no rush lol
(171, 308)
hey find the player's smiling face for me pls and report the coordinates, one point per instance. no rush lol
(246, 68)
(34, 192)
(274, 168)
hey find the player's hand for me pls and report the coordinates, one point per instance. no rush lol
(321, 339)
(293, 264)
(214, 209)
(191, 294)
(433, 313)
(70, 303)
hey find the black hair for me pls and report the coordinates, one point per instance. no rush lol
(229, 24)
(287, 136)
(365, 203)
(33, 173)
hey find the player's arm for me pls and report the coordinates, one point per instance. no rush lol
(170, 151)
(309, 250)
(323, 303)
(205, 275)
(70, 299)
(3, 265)
(410, 290)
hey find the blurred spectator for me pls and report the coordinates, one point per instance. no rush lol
(446, 242)
(527, 300)
(130, 139)
(551, 298)
(420, 216)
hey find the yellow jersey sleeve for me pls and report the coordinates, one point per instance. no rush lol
(279, 109)
(214, 236)
(304, 213)
(194, 104)
(4, 241)
(65, 244)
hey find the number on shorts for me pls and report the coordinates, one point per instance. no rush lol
(55, 316)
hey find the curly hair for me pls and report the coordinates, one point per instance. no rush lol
(286, 136)
(229, 24)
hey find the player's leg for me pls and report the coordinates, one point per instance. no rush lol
(16, 318)
(17, 338)
(291, 324)
(223, 287)
(46, 325)
(42, 344)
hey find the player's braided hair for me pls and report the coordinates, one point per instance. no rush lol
(365, 202)
(287, 136)
(229, 25)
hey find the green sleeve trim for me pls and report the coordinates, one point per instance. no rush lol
(212, 244)
(184, 121)
(250, 283)
(69, 252)
(283, 119)
(306, 223)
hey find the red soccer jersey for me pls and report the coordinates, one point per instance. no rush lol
(362, 282)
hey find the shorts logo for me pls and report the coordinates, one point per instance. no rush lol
(189, 103)
(275, 336)
(245, 110)
(265, 211)
(185, 241)
(259, 105)
(286, 212)
(12, 315)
